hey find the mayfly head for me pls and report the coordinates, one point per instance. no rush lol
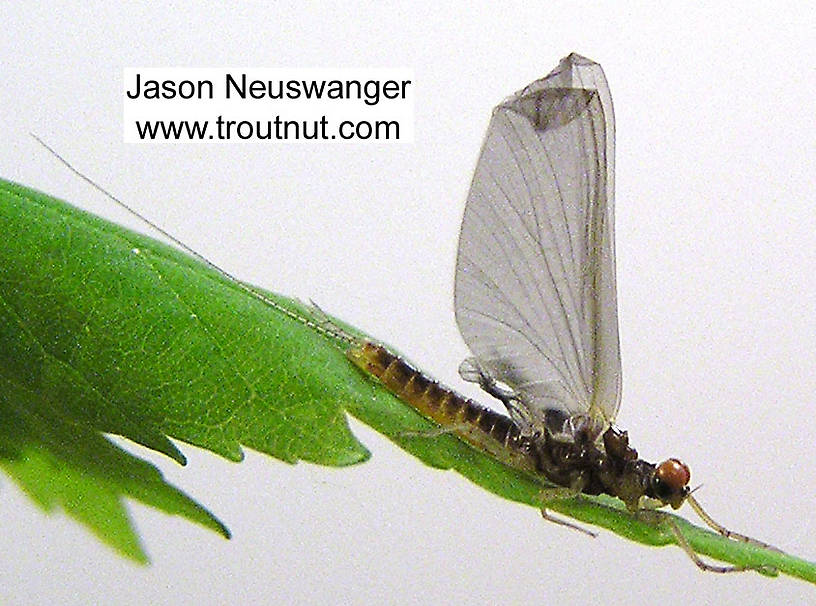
(669, 482)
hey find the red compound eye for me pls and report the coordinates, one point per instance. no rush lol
(674, 474)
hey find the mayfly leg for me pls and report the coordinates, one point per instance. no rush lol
(722, 530)
(562, 493)
(329, 329)
(567, 523)
(698, 561)
(683, 543)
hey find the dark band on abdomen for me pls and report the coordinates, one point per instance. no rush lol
(480, 426)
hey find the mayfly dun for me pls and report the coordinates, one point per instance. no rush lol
(536, 303)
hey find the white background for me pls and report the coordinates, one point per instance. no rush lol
(716, 233)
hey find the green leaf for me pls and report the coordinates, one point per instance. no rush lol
(106, 331)
(103, 330)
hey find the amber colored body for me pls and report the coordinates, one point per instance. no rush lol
(578, 464)
(480, 426)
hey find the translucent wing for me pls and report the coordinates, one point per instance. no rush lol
(535, 291)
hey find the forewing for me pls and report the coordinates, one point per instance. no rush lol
(535, 290)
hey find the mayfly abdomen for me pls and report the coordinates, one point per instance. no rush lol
(480, 426)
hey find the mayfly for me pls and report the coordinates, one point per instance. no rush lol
(535, 301)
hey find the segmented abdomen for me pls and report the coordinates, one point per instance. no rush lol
(482, 427)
